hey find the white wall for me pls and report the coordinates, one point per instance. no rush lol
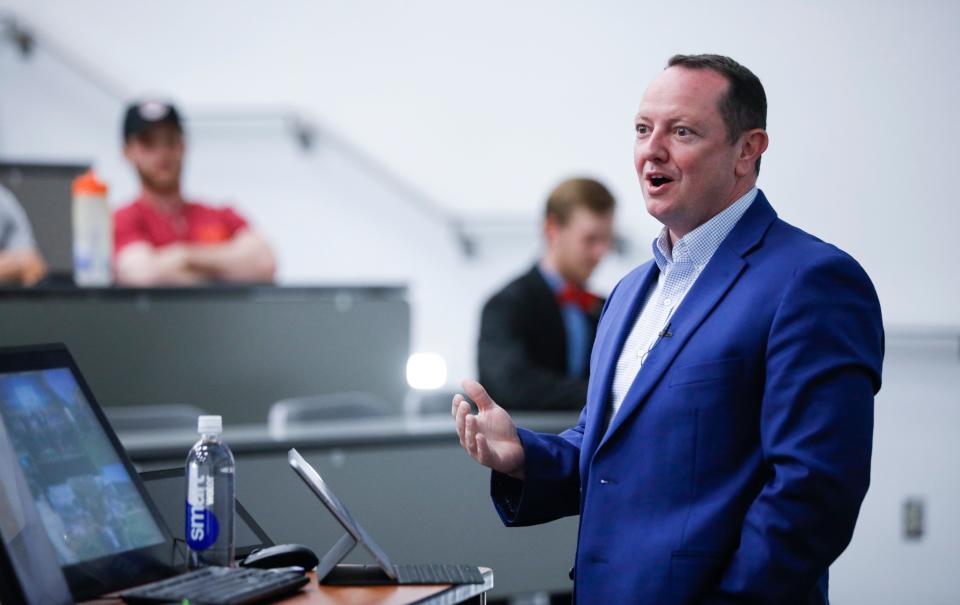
(485, 106)
(916, 451)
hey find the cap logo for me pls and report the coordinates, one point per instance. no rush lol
(152, 111)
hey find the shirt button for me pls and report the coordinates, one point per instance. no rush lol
(667, 301)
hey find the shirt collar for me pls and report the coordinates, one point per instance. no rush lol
(553, 279)
(698, 246)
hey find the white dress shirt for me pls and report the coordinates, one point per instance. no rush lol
(679, 269)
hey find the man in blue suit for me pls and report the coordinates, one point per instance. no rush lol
(724, 448)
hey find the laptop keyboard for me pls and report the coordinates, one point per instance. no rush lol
(438, 574)
(218, 586)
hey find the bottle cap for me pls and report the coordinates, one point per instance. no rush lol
(209, 425)
(88, 184)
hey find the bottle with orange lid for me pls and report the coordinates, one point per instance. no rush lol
(92, 232)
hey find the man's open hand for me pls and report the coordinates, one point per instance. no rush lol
(490, 437)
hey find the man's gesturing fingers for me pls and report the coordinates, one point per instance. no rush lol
(484, 455)
(456, 404)
(470, 436)
(460, 414)
(479, 394)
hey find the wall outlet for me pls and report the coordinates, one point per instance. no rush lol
(914, 523)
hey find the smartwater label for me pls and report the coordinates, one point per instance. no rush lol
(202, 527)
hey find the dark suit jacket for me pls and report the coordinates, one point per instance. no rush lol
(522, 353)
(735, 468)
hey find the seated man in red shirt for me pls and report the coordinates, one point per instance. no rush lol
(162, 239)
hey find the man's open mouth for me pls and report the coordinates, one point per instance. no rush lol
(658, 180)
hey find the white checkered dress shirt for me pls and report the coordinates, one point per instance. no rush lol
(679, 269)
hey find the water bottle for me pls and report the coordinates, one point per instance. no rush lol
(210, 497)
(92, 232)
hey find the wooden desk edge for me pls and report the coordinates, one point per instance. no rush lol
(315, 594)
(442, 594)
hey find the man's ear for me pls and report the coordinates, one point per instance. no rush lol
(127, 151)
(752, 145)
(550, 227)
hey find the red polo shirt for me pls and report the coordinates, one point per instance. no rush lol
(193, 223)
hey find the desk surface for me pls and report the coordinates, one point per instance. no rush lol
(315, 594)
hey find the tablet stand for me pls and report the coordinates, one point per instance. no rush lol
(337, 553)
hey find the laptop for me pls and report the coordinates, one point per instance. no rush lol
(104, 529)
(331, 571)
(26, 576)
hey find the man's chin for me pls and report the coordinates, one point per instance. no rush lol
(584, 276)
(162, 186)
(660, 209)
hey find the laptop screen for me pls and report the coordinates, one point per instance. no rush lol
(102, 526)
(89, 504)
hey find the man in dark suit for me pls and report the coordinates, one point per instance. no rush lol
(724, 449)
(536, 333)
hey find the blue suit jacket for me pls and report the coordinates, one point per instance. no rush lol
(735, 468)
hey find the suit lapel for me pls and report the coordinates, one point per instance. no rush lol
(718, 276)
(621, 319)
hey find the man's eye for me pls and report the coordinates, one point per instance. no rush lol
(642, 129)
(683, 131)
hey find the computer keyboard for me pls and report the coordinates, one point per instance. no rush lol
(438, 574)
(218, 586)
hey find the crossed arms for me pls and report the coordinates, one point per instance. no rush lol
(247, 257)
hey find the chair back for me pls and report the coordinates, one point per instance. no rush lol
(333, 406)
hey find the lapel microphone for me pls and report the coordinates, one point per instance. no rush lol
(665, 332)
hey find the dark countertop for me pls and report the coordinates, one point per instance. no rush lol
(144, 446)
(267, 291)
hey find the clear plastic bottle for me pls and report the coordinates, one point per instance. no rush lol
(92, 232)
(211, 494)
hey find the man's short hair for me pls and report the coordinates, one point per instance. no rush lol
(744, 106)
(578, 193)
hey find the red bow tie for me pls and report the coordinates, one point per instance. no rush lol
(574, 294)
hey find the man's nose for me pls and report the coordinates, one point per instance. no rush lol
(599, 251)
(651, 149)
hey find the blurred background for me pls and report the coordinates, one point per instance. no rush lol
(414, 144)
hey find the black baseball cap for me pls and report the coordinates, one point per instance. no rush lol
(141, 115)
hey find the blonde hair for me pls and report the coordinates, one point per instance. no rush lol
(578, 193)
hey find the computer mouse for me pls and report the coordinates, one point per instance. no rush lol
(281, 555)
